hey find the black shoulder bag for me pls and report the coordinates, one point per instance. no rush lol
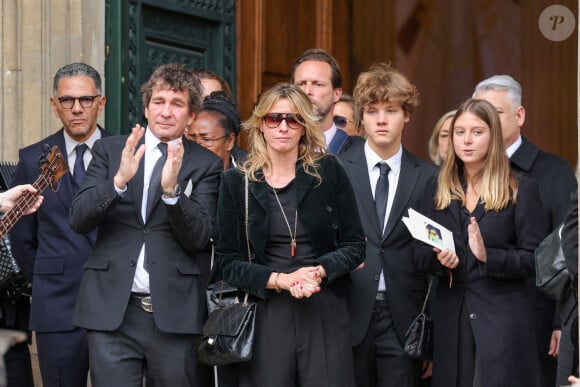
(551, 270)
(419, 336)
(228, 333)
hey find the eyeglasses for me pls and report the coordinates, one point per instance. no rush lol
(273, 120)
(206, 141)
(86, 101)
(341, 121)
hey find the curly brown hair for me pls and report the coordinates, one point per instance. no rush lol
(383, 83)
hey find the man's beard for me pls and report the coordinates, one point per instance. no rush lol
(322, 114)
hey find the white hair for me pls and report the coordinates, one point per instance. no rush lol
(502, 83)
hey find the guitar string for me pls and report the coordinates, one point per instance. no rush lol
(26, 201)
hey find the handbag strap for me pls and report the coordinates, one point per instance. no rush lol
(427, 295)
(246, 183)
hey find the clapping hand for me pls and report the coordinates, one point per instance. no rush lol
(476, 241)
(130, 157)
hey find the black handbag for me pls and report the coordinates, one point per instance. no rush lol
(551, 270)
(228, 333)
(419, 336)
(219, 295)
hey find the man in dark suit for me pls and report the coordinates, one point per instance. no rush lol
(388, 291)
(556, 182)
(49, 252)
(140, 296)
(318, 75)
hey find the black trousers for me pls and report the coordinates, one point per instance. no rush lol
(380, 360)
(138, 348)
(300, 343)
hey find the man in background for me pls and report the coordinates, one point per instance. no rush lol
(319, 76)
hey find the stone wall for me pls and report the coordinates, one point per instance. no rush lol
(36, 38)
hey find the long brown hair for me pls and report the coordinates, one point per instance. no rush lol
(311, 146)
(498, 184)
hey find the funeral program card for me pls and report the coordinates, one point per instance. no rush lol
(428, 231)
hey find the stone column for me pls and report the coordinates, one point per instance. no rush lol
(36, 38)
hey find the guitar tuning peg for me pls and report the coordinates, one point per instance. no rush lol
(46, 148)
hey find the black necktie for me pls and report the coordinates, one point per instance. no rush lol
(155, 181)
(79, 167)
(382, 193)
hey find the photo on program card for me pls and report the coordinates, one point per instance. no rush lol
(428, 231)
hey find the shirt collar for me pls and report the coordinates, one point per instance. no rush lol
(329, 134)
(71, 144)
(372, 159)
(151, 140)
(510, 150)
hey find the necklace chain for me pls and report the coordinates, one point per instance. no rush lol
(292, 237)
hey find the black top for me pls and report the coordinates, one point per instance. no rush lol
(278, 251)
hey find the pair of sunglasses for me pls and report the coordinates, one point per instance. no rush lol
(341, 121)
(273, 120)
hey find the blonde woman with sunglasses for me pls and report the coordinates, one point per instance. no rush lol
(306, 237)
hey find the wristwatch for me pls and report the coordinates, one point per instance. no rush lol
(172, 194)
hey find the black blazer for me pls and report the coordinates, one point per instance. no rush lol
(172, 235)
(555, 178)
(391, 251)
(500, 308)
(49, 252)
(325, 211)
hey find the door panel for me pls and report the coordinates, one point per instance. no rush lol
(152, 33)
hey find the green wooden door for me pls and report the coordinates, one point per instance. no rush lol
(143, 34)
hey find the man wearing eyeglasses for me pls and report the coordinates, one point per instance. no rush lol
(49, 252)
(319, 76)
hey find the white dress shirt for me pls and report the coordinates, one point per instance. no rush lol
(394, 164)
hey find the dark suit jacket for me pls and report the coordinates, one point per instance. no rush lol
(172, 235)
(496, 295)
(556, 181)
(553, 174)
(569, 241)
(49, 252)
(390, 252)
(342, 142)
(325, 211)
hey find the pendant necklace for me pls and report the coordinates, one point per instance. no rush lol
(292, 237)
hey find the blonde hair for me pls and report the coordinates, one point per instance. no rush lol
(434, 153)
(498, 184)
(311, 146)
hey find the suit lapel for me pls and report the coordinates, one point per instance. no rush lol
(408, 177)
(359, 175)
(137, 186)
(303, 182)
(337, 142)
(257, 215)
(66, 188)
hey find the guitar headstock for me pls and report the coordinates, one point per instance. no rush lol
(53, 166)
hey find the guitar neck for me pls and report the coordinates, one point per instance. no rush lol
(23, 203)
